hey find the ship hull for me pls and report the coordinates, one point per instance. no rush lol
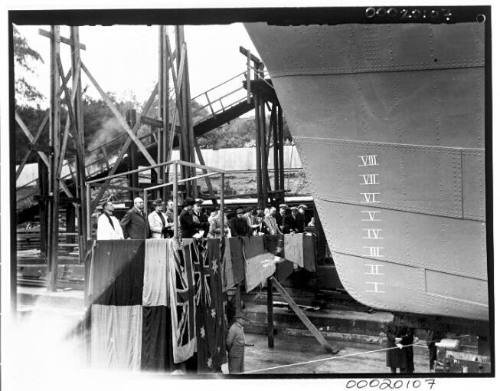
(389, 123)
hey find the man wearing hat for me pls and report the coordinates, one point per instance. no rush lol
(200, 217)
(134, 223)
(284, 219)
(239, 224)
(158, 221)
(295, 225)
(235, 344)
(188, 226)
(301, 217)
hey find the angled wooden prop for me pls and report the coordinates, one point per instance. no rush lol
(119, 117)
(124, 148)
(312, 328)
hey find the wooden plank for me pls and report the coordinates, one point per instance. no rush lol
(79, 140)
(42, 155)
(54, 144)
(35, 139)
(189, 123)
(164, 110)
(63, 147)
(247, 53)
(67, 41)
(172, 131)
(274, 130)
(29, 136)
(194, 165)
(258, 151)
(120, 187)
(310, 326)
(119, 117)
(270, 323)
(42, 125)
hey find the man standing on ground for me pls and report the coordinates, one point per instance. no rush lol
(400, 352)
(108, 226)
(235, 344)
(134, 223)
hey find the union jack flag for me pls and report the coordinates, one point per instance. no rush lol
(182, 298)
(211, 322)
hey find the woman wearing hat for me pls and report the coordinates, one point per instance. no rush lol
(158, 221)
(216, 228)
(235, 344)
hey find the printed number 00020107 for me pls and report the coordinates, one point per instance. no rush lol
(390, 384)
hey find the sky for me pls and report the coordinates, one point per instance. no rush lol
(124, 59)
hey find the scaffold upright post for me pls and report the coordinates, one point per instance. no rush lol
(222, 217)
(281, 157)
(163, 98)
(175, 193)
(54, 158)
(270, 320)
(79, 140)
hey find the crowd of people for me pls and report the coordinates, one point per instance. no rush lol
(195, 221)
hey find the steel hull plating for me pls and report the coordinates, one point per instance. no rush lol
(389, 122)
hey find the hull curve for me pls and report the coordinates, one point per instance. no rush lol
(389, 123)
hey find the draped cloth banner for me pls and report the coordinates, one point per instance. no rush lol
(117, 272)
(181, 293)
(116, 336)
(156, 352)
(227, 265)
(237, 259)
(294, 249)
(210, 312)
(309, 243)
(155, 273)
(259, 264)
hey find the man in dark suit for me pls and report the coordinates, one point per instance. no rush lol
(301, 217)
(188, 225)
(134, 223)
(284, 219)
(400, 339)
(200, 217)
(239, 224)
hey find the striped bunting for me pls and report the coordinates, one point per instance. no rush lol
(157, 303)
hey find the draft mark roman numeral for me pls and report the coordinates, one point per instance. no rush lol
(368, 160)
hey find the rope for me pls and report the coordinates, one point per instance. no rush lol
(328, 358)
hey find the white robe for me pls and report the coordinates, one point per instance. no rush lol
(105, 231)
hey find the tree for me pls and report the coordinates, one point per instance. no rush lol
(23, 56)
